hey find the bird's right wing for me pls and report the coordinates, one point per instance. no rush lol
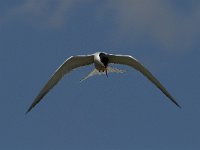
(70, 64)
(132, 62)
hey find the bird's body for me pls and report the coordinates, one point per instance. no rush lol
(100, 61)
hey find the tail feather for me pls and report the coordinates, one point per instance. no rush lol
(114, 70)
(108, 70)
(92, 73)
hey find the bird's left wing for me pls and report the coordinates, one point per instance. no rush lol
(70, 64)
(132, 62)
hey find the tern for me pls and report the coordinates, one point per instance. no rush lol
(100, 61)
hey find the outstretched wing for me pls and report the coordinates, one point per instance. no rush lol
(130, 61)
(70, 64)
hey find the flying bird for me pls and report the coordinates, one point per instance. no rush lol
(100, 61)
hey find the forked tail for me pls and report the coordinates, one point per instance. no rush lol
(108, 70)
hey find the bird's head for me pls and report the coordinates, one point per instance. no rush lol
(104, 59)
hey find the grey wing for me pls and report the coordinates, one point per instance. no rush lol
(130, 61)
(70, 64)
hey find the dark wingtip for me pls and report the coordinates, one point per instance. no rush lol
(178, 105)
(37, 100)
(29, 109)
(175, 103)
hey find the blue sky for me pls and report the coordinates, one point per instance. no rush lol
(119, 112)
